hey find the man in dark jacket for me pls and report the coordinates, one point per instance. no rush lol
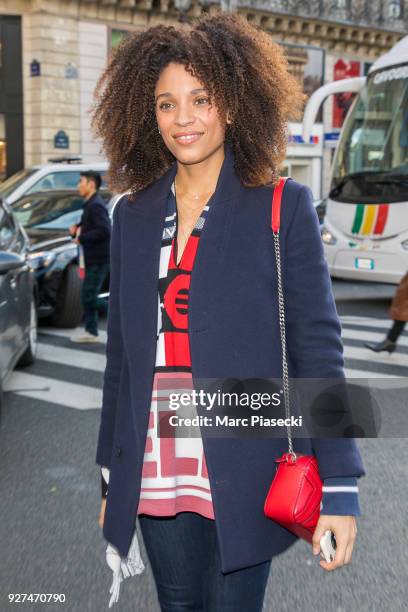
(93, 235)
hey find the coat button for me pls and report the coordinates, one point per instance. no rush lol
(118, 451)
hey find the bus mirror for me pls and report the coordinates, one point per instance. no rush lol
(354, 84)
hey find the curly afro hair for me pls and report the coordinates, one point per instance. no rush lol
(244, 73)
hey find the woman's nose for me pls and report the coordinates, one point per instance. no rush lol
(184, 114)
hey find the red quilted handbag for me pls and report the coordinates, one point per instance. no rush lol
(295, 494)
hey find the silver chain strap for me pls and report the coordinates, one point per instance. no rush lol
(285, 375)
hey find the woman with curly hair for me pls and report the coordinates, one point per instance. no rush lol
(193, 120)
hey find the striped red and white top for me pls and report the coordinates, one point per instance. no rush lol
(174, 477)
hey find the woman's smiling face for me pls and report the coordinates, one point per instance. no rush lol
(190, 126)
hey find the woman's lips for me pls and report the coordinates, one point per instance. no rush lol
(186, 139)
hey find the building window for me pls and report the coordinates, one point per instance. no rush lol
(395, 9)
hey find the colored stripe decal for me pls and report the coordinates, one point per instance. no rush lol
(381, 218)
(358, 219)
(340, 489)
(369, 217)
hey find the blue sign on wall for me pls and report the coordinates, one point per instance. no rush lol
(35, 68)
(331, 136)
(61, 140)
(298, 139)
(331, 139)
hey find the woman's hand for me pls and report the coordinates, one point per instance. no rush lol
(345, 530)
(102, 512)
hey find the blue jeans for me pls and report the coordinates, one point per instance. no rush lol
(185, 561)
(91, 286)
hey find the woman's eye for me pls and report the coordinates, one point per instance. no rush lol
(199, 101)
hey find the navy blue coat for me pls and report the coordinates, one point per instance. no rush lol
(95, 231)
(233, 277)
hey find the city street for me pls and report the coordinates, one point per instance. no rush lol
(50, 486)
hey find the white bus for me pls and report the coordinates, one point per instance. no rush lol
(365, 231)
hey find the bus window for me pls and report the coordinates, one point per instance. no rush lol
(372, 155)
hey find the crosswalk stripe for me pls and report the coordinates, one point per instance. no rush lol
(397, 381)
(351, 330)
(378, 324)
(54, 391)
(82, 397)
(356, 352)
(95, 362)
(71, 356)
(67, 333)
(354, 334)
(354, 373)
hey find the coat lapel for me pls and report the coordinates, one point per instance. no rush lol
(207, 271)
(141, 235)
(142, 230)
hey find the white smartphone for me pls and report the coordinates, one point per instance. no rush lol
(328, 546)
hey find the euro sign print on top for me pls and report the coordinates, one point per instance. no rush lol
(174, 474)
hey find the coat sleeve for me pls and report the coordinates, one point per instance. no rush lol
(114, 349)
(313, 328)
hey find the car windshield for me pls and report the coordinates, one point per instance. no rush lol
(60, 180)
(14, 181)
(42, 211)
(372, 156)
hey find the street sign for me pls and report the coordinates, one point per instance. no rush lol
(61, 140)
(35, 68)
(331, 139)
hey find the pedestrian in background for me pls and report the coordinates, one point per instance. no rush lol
(399, 316)
(93, 234)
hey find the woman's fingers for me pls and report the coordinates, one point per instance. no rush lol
(342, 543)
(317, 535)
(345, 536)
(345, 530)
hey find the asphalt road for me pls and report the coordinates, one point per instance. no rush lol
(49, 490)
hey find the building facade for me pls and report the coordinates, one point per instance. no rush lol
(53, 51)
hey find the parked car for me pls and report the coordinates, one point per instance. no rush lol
(18, 297)
(62, 173)
(46, 218)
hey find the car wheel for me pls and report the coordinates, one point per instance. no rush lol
(28, 357)
(68, 308)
